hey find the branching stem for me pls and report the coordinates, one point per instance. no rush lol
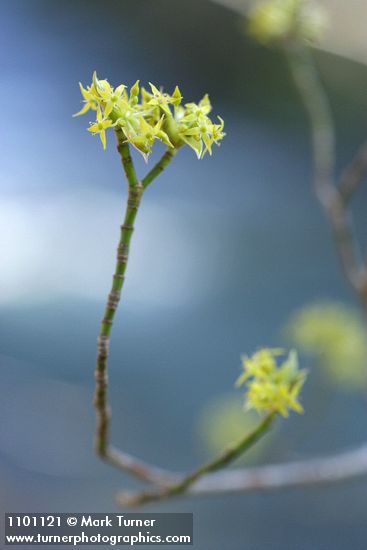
(135, 193)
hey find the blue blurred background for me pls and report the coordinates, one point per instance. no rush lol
(224, 251)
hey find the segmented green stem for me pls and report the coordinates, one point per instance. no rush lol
(135, 193)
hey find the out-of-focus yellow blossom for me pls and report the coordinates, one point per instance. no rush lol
(146, 116)
(277, 20)
(336, 335)
(272, 387)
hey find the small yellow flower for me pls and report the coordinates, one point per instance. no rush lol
(196, 129)
(100, 126)
(160, 134)
(113, 98)
(163, 100)
(143, 137)
(204, 107)
(90, 101)
(271, 387)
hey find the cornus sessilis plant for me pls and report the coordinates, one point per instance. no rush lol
(271, 378)
(139, 118)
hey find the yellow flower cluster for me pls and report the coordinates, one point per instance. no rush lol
(277, 20)
(271, 387)
(146, 116)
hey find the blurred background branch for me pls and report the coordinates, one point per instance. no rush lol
(316, 471)
(333, 198)
(347, 33)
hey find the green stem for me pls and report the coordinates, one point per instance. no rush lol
(126, 159)
(134, 197)
(159, 167)
(219, 462)
(135, 193)
(229, 455)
